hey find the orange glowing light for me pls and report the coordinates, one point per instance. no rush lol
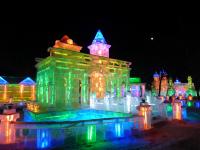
(7, 129)
(145, 112)
(98, 84)
(33, 107)
(7, 132)
(10, 118)
(70, 41)
(177, 111)
(21, 90)
(190, 97)
(5, 92)
(36, 108)
(67, 43)
(33, 92)
(180, 97)
(145, 120)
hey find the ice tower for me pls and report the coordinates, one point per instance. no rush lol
(99, 46)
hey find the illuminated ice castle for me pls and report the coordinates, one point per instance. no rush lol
(69, 79)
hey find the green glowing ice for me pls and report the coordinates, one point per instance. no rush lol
(170, 92)
(169, 107)
(64, 79)
(91, 133)
(189, 103)
(135, 80)
(75, 115)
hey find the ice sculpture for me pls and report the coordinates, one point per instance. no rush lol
(170, 91)
(99, 46)
(191, 92)
(12, 92)
(69, 79)
(160, 84)
(145, 111)
(177, 110)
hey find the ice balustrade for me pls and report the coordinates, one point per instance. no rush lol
(42, 136)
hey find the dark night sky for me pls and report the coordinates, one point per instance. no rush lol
(175, 47)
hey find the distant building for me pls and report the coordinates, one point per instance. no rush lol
(181, 90)
(185, 89)
(156, 84)
(16, 92)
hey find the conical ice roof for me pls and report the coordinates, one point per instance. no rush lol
(27, 81)
(3, 81)
(99, 38)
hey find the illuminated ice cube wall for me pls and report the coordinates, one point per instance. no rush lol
(68, 78)
(137, 89)
(25, 90)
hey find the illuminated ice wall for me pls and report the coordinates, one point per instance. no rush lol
(69, 79)
(136, 88)
(25, 90)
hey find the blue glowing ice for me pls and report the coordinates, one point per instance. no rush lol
(99, 38)
(27, 81)
(3, 81)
